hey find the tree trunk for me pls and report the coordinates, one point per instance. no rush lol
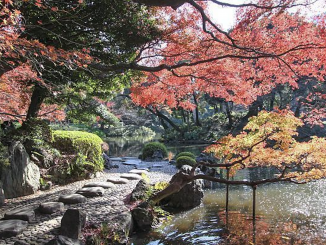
(38, 96)
(197, 122)
(228, 113)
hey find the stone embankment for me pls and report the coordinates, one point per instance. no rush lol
(104, 203)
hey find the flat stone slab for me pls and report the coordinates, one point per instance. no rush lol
(72, 199)
(120, 181)
(158, 165)
(51, 207)
(91, 191)
(9, 228)
(105, 185)
(143, 167)
(26, 214)
(138, 171)
(130, 158)
(131, 176)
(116, 159)
(132, 162)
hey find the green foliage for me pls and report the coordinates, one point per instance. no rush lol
(187, 154)
(85, 145)
(150, 148)
(145, 178)
(184, 160)
(4, 158)
(161, 185)
(129, 131)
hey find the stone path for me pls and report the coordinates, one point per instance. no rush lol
(99, 209)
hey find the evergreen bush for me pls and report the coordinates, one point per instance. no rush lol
(80, 143)
(187, 154)
(184, 160)
(150, 148)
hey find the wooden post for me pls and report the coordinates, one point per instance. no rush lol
(254, 202)
(227, 190)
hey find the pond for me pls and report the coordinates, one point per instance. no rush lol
(287, 214)
(132, 146)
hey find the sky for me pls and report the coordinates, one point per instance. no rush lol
(226, 17)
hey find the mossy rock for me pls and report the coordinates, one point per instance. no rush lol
(152, 147)
(80, 144)
(186, 154)
(184, 160)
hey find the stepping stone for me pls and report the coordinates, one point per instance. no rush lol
(143, 167)
(130, 158)
(158, 165)
(72, 199)
(26, 214)
(91, 191)
(131, 176)
(9, 228)
(132, 162)
(105, 185)
(116, 159)
(51, 207)
(138, 171)
(118, 180)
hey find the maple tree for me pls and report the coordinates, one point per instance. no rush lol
(57, 42)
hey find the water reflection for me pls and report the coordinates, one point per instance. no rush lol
(287, 214)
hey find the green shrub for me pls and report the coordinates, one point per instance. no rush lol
(186, 154)
(184, 160)
(80, 144)
(150, 148)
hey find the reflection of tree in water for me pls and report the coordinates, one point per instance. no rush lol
(242, 231)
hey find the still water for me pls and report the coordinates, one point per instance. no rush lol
(287, 214)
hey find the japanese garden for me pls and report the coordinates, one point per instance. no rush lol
(163, 122)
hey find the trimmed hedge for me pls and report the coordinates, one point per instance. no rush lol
(80, 143)
(150, 148)
(184, 160)
(186, 154)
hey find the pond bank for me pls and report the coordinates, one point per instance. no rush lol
(98, 209)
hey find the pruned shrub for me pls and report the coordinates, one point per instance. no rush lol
(80, 144)
(152, 147)
(186, 154)
(184, 160)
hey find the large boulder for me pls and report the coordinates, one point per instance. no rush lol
(22, 177)
(143, 217)
(189, 196)
(72, 223)
(140, 192)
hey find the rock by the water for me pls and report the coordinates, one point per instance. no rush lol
(131, 176)
(143, 217)
(140, 191)
(25, 213)
(72, 199)
(105, 185)
(63, 240)
(22, 177)
(138, 171)
(91, 191)
(9, 228)
(118, 180)
(72, 223)
(189, 196)
(51, 207)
